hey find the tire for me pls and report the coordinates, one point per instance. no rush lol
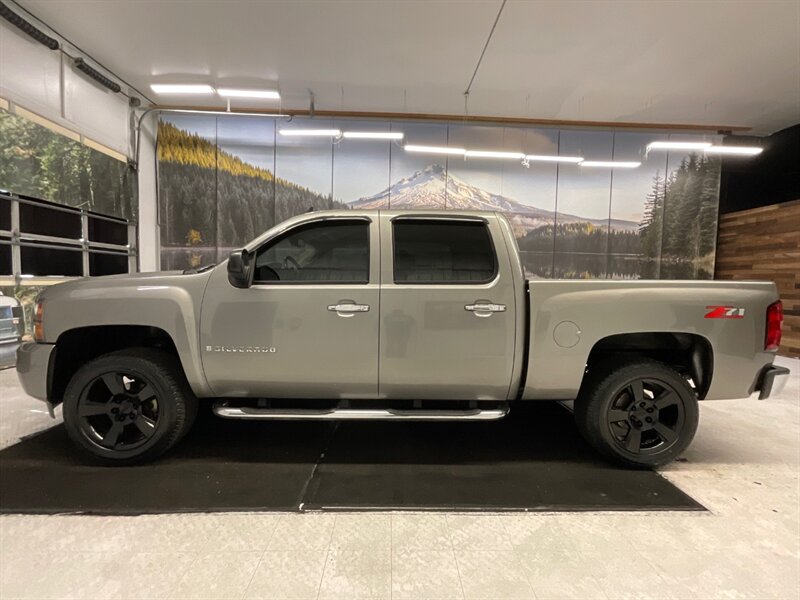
(128, 407)
(637, 413)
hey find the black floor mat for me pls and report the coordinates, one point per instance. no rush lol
(532, 460)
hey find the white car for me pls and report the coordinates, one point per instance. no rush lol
(12, 326)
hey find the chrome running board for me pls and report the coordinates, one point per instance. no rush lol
(356, 414)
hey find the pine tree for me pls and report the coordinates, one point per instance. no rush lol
(674, 204)
(651, 224)
(709, 207)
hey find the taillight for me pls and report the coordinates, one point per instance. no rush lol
(38, 321)
(772, 339)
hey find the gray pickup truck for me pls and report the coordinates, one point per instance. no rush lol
(415, 315)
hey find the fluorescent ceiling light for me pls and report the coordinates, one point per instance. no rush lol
(492, 154)
(373, 135)
(736, 150)
(234, 93)
(678, 145)
(311, 132)
(170, 88)
(549, 158)
(619, 164)
(434, 149)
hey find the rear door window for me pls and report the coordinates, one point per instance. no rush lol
(441, 251)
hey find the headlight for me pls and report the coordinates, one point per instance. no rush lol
(38, 321)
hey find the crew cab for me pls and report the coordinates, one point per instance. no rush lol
(415, 315)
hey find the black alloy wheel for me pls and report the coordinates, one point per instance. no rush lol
(638, 412)
(129, 406)
(118, 410)
(646, 416)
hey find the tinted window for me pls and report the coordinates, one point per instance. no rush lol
(44, 220)
(5, 214)
(108, 232)
(51, 261)
(325, 252)
(442, 252)
(101, 263)
(5, 257)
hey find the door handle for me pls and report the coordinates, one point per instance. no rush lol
(348, 309)
(485, 309)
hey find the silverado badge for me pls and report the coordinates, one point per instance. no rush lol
(243, 349)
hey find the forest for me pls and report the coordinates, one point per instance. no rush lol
(676, 237)
(35, 161)
(210, 198)
(680, 213)
(579, 237)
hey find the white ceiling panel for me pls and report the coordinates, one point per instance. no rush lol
(30, 73)
(705, 62)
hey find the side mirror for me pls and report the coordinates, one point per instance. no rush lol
(239, 267)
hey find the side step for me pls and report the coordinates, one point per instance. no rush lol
(358, 414)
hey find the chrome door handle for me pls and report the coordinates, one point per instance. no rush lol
(348, 309)
(485, 309)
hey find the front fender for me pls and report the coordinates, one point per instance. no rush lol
(170, 302)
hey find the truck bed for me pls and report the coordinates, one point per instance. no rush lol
(571, 318)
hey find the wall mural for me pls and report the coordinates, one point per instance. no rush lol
(225, 180)
(35, 161)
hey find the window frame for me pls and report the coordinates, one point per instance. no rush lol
(360, 220)
(433, 219)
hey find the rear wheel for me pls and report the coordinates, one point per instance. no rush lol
(129, 406)
(638, 413)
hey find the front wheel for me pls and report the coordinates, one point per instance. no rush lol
(638, 413)
(129, 406)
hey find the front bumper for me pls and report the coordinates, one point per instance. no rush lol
(8, 352)
(33, 368)
(772, 381)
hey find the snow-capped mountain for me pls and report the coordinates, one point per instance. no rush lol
(426, 188)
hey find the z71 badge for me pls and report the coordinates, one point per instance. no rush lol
(724, 312)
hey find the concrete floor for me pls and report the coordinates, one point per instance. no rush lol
(744, 466)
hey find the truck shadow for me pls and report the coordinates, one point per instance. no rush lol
(543, 432)
(532, 460)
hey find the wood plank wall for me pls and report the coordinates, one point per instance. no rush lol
(764, 243)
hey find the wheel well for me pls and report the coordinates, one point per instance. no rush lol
(689, 354)
(76, 347)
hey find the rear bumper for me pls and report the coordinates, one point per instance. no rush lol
(33, 364)
(772, 381)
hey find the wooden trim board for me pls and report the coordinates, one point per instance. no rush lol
(400, 116)
(764, 243)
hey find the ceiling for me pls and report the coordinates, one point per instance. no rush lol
(710, 62)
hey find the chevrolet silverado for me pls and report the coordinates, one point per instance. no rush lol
(406, 315)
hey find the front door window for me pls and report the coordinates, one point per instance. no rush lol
(333, 252)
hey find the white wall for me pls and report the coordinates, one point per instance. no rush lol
(45, 82)
(149, 239)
